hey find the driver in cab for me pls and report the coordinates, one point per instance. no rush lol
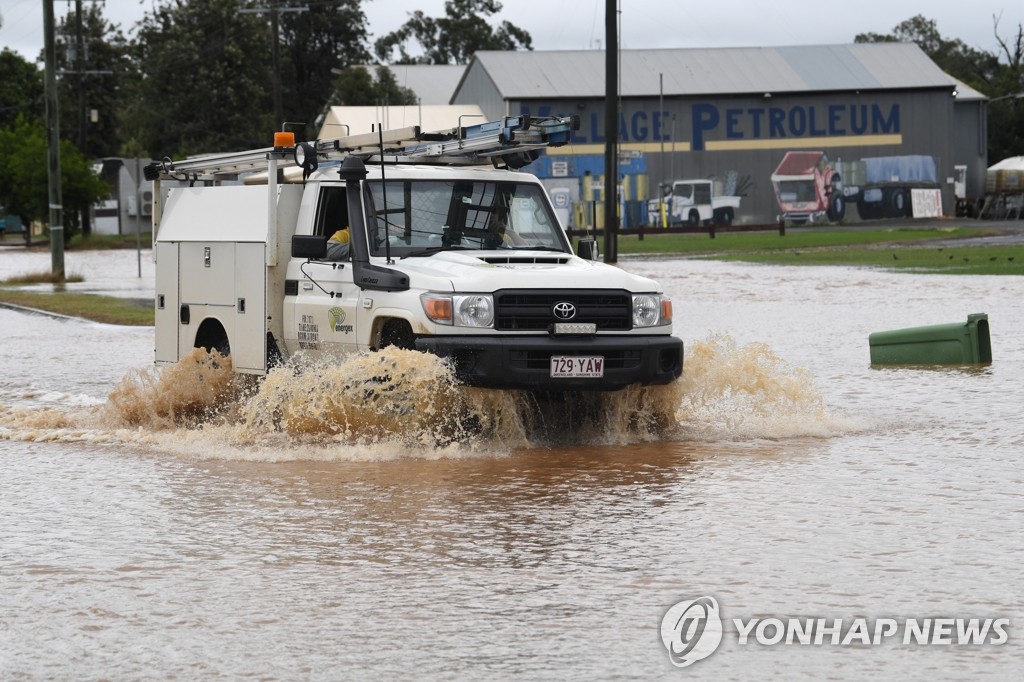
(498, 234)
(338, 245)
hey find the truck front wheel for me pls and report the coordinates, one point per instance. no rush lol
(397, 333)
(898, 204)
(694, 218)
(724, 216)
(836, 207)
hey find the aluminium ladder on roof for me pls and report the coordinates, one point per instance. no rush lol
(480, 143)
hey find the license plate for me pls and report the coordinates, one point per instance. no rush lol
(577, 366)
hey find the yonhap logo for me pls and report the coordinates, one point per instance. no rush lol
(691, 630)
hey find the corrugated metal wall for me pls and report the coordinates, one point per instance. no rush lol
(743, 138)
(478, 88)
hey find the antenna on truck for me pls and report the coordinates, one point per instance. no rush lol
(384, 190)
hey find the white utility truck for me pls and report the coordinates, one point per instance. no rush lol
(694, 203)
(452, 251)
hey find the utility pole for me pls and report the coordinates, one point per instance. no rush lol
(80, 68)
(274, 10)
(79, 58)
(611, 134)
(661, 157)
(275, 51)
(53, 145)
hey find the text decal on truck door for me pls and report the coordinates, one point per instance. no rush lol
(577, 367)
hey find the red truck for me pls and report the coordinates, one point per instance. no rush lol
(809, 187)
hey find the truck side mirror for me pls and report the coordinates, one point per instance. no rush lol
(313, 247)
(587, 249)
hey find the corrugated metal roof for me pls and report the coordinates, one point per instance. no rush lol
(432, 83)
(343, 120)
(714, 71)
(965, 93)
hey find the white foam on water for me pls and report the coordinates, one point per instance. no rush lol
(732, 392)
(398, 403)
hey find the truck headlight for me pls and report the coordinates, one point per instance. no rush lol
(651, 310)
(475, 310)
(460, 310)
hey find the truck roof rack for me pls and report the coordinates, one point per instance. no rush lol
(512, 141)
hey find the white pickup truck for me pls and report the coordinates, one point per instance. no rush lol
(694, 203)
(449, 254)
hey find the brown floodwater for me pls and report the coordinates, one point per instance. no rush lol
(374, 519)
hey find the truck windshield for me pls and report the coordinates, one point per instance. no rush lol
(427, 215)
(796, 190)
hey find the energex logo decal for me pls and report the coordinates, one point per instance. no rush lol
(691, 630)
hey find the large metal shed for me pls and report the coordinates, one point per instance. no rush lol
(731, 114)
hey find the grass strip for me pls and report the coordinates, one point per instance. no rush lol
(106, 309)
(732, 242)
(94, 242)
(919, 250)
(960, 260)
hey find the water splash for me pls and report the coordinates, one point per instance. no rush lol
(390, 395)
(400, 403)
(398, 396)
(193, 391)
(732, 392)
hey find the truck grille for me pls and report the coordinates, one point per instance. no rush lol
(531, 310)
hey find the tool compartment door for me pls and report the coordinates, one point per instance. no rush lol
(166, 319)
(207, 273)
(249, 338)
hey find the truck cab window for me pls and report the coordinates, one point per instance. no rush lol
(331, 211)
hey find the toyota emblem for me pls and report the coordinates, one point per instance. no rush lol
(564, 310)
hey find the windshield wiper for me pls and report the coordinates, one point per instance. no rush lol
(435, 249)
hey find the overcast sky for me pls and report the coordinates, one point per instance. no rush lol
(579, 24)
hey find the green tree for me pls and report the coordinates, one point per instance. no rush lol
(1006, 110)
(21, 89)
(389, 92)
(203, 79)
(974, 67)
(999, 75)
(356, 86)
(90, 77)
(453, 38)
(315, 43)
(92, 59)
(23, 175)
